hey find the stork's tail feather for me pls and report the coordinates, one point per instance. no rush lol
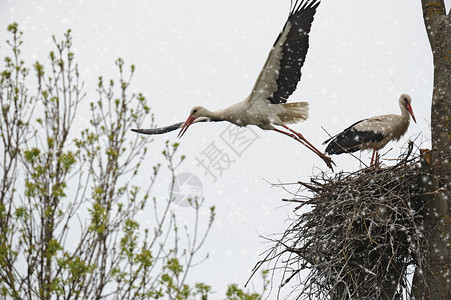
(295, 112)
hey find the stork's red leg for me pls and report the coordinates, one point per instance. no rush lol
(296, 138)
(372, 157)
(304, 139)
(327, 159)
(304, 142)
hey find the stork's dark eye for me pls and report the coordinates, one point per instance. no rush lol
(194, 111)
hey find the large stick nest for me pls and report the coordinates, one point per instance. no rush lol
(356, 237)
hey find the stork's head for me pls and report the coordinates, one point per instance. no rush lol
(405, 101)
(196, 112)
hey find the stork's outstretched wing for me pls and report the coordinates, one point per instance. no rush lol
(282, 70)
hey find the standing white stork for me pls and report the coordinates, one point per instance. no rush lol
(266, 105)
(373, 133)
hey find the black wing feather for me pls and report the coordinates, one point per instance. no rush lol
(350, 140)
(294, 50)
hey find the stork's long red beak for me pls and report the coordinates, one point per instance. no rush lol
(185, 126)
(409, 108)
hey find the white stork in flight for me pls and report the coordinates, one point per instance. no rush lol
(373, 133)
(266, 105)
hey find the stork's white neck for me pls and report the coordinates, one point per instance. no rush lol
(214, 115)
(231, 113)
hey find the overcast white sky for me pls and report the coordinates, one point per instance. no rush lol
(363, 54)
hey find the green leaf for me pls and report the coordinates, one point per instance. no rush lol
(174, 266)
(67, 160)
(32, 155)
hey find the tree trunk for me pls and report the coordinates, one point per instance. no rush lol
(433, 280)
